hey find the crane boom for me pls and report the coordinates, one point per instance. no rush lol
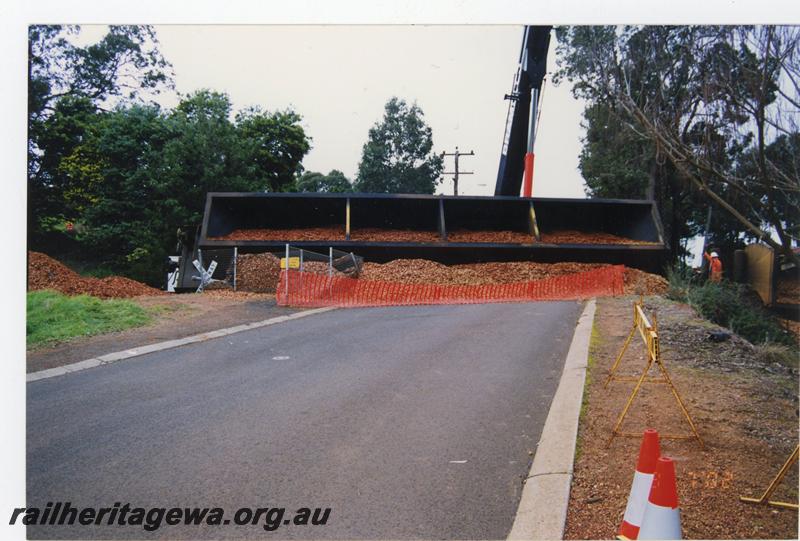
(528, 78)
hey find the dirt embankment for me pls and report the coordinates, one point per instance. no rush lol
(44, 272)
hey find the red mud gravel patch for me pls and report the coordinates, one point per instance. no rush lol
(44, 272)
(744, 410)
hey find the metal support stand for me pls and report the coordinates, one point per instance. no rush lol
(300, 277)
(649, 334)
(612, 373)
(533, 224)
(286, 270)
(330, 272)
(235, 257)
(347, 220)
(442, 224)
(765, 498)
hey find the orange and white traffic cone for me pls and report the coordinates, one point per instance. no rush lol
(662, 518)
(640, 488)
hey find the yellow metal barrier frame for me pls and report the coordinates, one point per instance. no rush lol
(649, 334)
(765, 498)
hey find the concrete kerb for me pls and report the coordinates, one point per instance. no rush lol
(169, 344)
(542, 511)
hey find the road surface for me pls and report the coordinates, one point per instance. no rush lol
(407, 422)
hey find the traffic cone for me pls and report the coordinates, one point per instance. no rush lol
(662, 518)
(640, 488)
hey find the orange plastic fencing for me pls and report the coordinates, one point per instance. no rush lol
(316, 290)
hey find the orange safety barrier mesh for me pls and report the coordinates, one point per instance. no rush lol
(316, 290)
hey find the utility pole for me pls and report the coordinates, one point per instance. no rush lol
(456, 173)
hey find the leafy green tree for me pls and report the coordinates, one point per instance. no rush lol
(783, 158)
(613, 160)
(206, 154)
(398, 157)
(140, 173)
(124, 63)
(126, 173)
(121, 166)
(617, 162)
(69, 87)
(55, 196)
(274, 145)
(334, 182)
(708, 100)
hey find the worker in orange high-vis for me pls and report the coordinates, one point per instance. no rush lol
(714, 266)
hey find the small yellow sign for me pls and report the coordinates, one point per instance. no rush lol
(294, 262)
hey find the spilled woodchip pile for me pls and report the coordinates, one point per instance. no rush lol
(371, 234)
(257, 273)
(638, 282)
(44, 272)
(422, 271)
(260, 273)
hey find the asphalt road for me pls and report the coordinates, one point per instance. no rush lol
(408, 422)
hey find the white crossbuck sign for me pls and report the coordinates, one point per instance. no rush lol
(205, 275)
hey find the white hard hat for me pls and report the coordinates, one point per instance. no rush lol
(714, 254)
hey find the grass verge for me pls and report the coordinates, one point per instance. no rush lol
(730, 305)
(594, 345)
(52, 316)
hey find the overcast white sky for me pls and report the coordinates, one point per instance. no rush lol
(339, 78)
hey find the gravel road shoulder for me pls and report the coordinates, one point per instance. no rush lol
(176, 316)
(744, 409)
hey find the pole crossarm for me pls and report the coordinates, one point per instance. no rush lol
(649, 334)
(457, 172)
